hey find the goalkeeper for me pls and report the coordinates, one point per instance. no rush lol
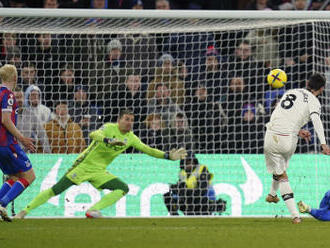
(321, 213)
(108, 142)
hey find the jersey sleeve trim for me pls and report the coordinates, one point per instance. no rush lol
(7, 110)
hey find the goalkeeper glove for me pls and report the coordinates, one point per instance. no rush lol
(114, 142)
(176, 154)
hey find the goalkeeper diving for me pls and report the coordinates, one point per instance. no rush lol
(108, 142)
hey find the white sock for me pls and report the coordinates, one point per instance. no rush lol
(287, 195)
(274, 187)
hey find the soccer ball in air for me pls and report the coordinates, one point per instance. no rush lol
(276, 78)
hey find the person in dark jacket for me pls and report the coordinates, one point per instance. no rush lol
(193, 194)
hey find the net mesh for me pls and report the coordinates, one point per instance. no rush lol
(193, 83)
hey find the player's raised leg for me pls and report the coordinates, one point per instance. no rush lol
(119, 189)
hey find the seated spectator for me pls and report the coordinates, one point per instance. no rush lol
(63, 89)
(237, 94)
(193, 194)
(182, 71)
(65, 136)
(301, 4)
(246, 134)
(131, 95)
(14, 58)
(162, 103)
(242, 61)
(115, 61)
(107, 76)
(9, 40)
(29, 77)
(207, 119)
(251, 131)
(265, 46)
(316, 4)
(166, 62)
(242, 64)
(83, 113)
(139, 51)
(29, 125)
(191, 47)
(32, 101)
(43, 50)
(50, 4)
(152, 131)
(179, 134)
(166, 73)
(162, 5)
(211, 76)
(296, 51)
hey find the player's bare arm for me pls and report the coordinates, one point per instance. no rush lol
(7, 122)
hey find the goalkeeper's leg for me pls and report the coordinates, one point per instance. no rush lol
(119, 189)
(45, 195)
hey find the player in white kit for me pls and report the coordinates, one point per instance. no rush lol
(296, 108)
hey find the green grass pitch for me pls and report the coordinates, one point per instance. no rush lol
(164, 232)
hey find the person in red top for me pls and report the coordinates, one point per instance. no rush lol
(13, 161)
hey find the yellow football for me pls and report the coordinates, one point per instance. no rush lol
(277, 78)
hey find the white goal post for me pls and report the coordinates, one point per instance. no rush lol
(195, 79)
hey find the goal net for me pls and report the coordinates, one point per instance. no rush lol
(193, 79)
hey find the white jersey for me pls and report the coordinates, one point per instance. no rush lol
(294, 111)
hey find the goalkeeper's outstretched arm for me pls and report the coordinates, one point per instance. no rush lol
(99, 136)
(174, 154)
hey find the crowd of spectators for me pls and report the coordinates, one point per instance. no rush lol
(204, 91)
(173, 4)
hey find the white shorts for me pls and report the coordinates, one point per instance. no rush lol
(278, 149)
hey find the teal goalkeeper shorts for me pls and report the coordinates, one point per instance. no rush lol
(97, 178)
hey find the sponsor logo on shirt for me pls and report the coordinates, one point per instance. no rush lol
(10, 100)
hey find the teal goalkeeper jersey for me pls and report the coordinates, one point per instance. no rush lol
(98, 155)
